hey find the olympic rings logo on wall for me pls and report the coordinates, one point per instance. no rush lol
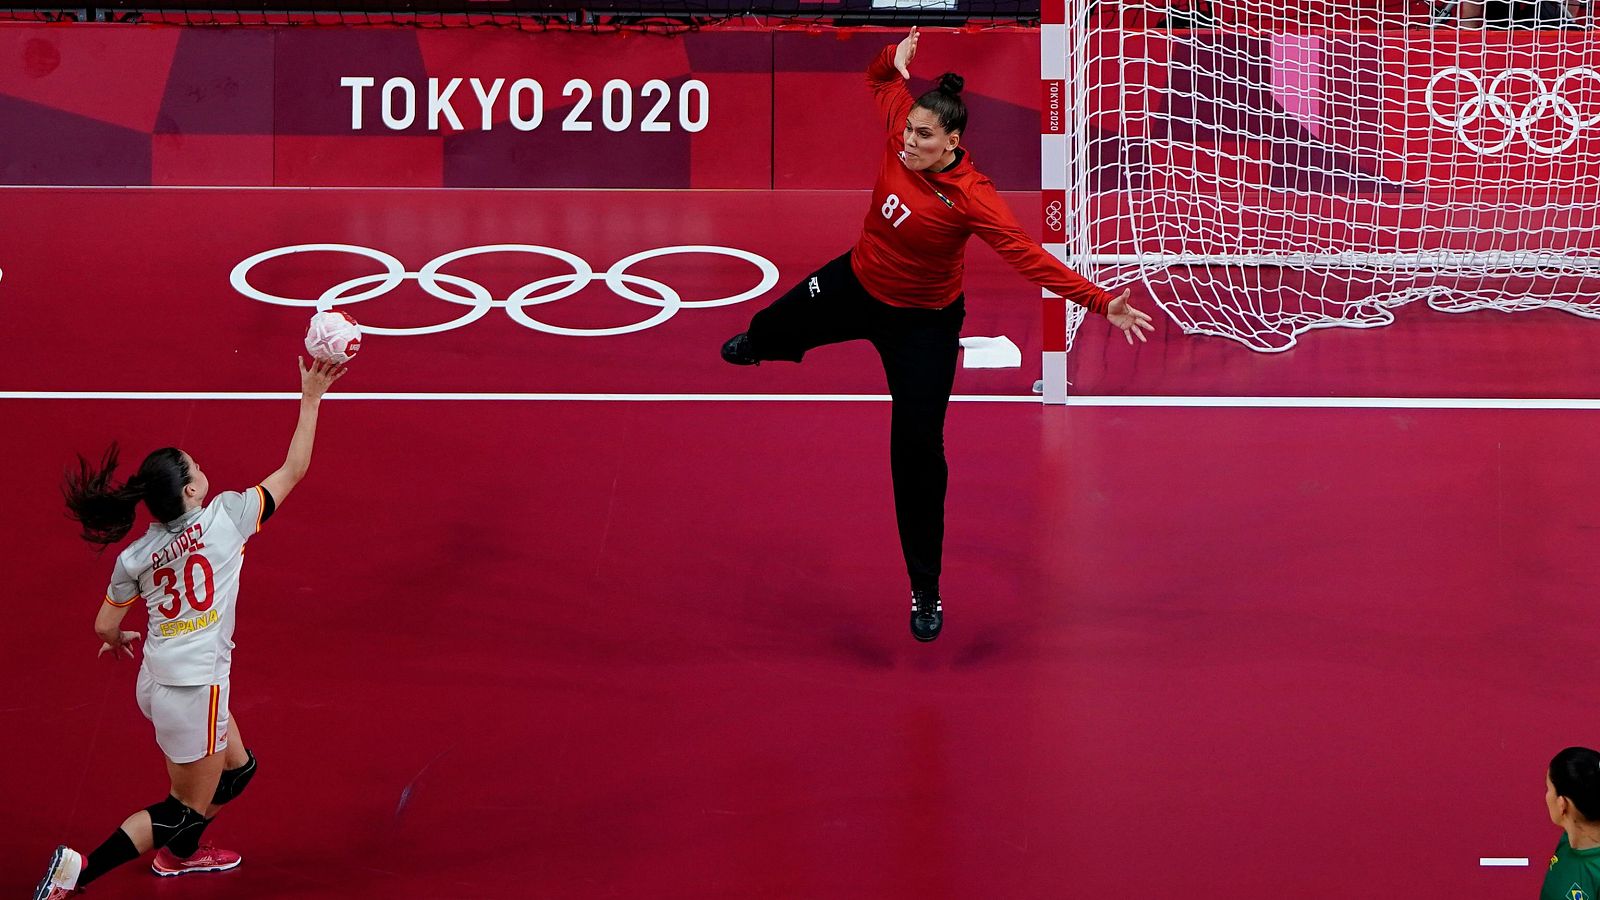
(1053, 215)
(1480, 101)
(477, 299)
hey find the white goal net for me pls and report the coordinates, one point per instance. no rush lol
(1264, 173)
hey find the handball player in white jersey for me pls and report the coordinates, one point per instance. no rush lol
(185, 570)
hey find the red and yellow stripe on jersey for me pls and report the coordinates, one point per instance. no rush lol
(261, 506)
(211, 719)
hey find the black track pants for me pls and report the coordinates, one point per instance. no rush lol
(919, 349)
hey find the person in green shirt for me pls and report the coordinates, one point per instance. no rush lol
(1572, 795)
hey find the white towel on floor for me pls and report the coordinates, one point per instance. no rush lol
(990, 353)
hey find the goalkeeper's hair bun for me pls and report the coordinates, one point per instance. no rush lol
(946, 104)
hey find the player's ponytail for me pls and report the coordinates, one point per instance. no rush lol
(106, 511)
(1575, 772)
(945, 102)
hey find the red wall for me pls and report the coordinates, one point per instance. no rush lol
(167, 105)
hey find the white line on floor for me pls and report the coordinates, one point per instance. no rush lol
(1214, 402)
(522, 397)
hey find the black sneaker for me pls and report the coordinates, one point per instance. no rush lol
(927, 615)
(737, 351)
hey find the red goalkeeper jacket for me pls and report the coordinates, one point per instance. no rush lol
(913, 244)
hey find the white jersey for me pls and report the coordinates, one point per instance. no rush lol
(187, 571)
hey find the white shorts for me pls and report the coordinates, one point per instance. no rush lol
(191, 721)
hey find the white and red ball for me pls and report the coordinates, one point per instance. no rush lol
(334, 337)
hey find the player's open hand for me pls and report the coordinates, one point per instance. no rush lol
(316, 379)
(904, 53)
(1133, 322)
(124, 644)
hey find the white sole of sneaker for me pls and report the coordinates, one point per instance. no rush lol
(43, 890)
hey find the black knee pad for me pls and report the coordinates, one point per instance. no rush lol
(233, 781)
(170, 818)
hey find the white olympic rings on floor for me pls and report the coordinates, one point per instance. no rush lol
(1548, 99)
(477, 299)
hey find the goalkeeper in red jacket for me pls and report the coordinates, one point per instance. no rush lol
(900, 288)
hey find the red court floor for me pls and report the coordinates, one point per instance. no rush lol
(659, 649)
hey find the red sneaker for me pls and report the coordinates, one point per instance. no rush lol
(206, 859)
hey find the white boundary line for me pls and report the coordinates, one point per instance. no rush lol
(519, 397)
(1502, 861)
(1076, 400)
(1340, 402)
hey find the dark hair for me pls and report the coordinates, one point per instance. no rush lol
(945, 103)
(107, 511)
(1575, 772)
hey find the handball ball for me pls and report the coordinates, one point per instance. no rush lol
(334, 337)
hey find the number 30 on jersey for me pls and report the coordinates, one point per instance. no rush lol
(167, 580)
(892, 206)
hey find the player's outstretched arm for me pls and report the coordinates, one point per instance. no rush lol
(314, 382)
